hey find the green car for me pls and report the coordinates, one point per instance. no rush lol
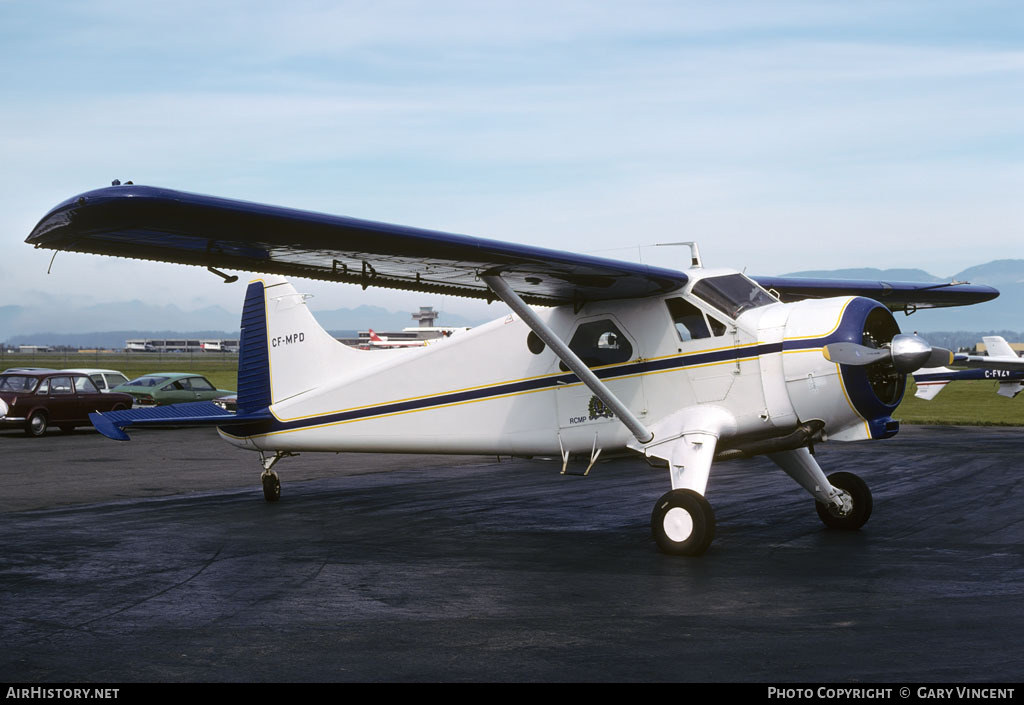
(162, 388)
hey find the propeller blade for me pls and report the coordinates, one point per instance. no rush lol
(940, 357)
(854, 354)
(907, 353)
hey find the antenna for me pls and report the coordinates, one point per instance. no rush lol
(695, 262)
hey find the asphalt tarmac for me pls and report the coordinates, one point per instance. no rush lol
(159, 561)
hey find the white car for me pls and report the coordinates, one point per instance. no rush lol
(105, 380)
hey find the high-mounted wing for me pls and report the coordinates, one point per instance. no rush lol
(143, 222)
(897, 296)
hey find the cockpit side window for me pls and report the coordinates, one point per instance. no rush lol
(600, 343)
(732, 294)
(690, 321)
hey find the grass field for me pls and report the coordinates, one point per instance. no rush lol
(966, 403)
(220, 368)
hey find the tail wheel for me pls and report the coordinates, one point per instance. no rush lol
(682, 523)
(860, 503)
(271, 487)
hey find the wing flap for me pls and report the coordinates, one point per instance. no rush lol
(142, 222)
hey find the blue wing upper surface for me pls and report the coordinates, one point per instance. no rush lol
(897, 296)
(144, 222)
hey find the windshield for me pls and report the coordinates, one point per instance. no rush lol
(147, 381)
(17, 383)
(732, 294)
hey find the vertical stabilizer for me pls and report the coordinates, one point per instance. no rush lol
(284, 351)
(996, 346)
(253, 362)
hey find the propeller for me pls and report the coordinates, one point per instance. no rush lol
(906, 352)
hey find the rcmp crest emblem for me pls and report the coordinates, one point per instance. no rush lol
(598, 410)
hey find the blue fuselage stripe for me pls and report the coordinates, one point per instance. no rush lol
(638, 367)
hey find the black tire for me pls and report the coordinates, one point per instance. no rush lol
(860, 495)
(66, 428)
(271, 488)
(682, 523)
(36, 424)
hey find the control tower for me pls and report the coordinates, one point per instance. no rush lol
(426, 316)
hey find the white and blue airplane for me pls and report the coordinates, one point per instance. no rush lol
(598, 356)
(1001, 364)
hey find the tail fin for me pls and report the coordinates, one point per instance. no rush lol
(931, 381)
(997, 346)
(284, 351)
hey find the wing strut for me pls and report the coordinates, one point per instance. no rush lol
(571, 360)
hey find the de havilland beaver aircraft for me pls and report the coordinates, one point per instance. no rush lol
(679, 367)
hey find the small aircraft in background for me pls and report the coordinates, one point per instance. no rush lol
(1001, 364)
(678, 367)
(377, 341)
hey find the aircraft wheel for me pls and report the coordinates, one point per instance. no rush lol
(682, 523)
(37, 424)
(271, 487)
(860, 497)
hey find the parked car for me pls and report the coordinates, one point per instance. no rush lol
(170, 388)
(228, 403)
(38, 399)
(105, 380)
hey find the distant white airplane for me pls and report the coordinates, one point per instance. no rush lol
(678, 367)
(1001, 363)
(377, 341)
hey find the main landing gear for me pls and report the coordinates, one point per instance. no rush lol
(683, 523)
(851, 508)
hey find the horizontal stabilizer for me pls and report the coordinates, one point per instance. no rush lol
(1009, 389)
(201, 413)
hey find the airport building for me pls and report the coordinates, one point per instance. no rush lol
(167, 345)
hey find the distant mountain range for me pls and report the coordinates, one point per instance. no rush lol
(109, 325)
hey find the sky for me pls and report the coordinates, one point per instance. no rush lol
(781, 136)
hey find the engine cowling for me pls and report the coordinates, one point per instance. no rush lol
(854, 401)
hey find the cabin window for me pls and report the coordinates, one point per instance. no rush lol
(690, 321)
(732, 294)
(534, 343)
(599, 343)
